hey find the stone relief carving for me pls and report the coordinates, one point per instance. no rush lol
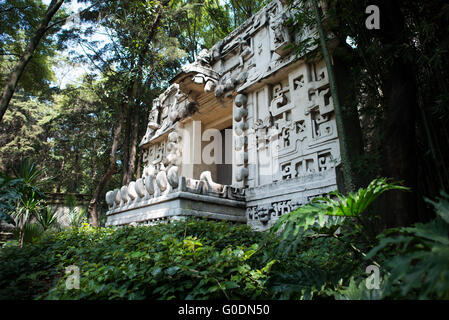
(170, 107)
(279, 98)
(241, 125)
(261, 129)
(210, 184)
(281, 36)
(270, 211)
(153, 120)
(174, 158)
(202, 72)
(292, 126)
(299, 118)
(244, 49)
(228, 83)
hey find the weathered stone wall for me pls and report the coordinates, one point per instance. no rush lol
(58, 202)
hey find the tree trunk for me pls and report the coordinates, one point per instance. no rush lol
(339, 110)
(134, 126)
(399, 145)
(125, 148)
(76, 174)
(399, 152)
(61, 172)
(93, 204)
(133, 148)
(136, 96)
(342, 58)
(14, 76)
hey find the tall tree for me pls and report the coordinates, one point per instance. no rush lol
(342, 129)
(18, 70)
(22, 131)
(137, 53)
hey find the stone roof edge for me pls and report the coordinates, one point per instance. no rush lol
(240, 28)
(229, 37)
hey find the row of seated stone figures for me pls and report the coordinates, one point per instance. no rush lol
(156, 183)
(154, 186)
(146, 188)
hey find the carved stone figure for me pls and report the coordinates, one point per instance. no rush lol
(244, 49)
(203, 58)
(149, 184)
(161, 180)
(203, 74)
(124, 194)
(140, 188)
(132, 194)
(276, 26)
(174, 156)
(118, 197)
(153, 124)
(281, 37)
(211, 185)
(110, 198)
(173, 176)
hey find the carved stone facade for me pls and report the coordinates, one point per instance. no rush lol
(269, 118)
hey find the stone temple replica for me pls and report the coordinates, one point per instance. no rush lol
(246, 133)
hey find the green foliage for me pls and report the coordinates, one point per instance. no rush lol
(358, 291)
(326, 245)
(18, 21)
(9, 195)
(47, 218)
(32, 232)
(27, 207)
(200, 259)
(77, 216)
(19, 196)
(30, 174)
(329, 213)
(23, 130)
(355, 204)
(417, 257)
(201, 24)
(193, 259)
(313, 270)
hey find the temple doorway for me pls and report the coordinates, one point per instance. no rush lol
(224, 169)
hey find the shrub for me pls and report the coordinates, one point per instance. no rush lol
(194, 259)
(417, 258)
(20, 197)
(305, 256)
(9, 195)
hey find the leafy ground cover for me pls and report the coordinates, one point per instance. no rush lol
(193, 259)
(320, 251)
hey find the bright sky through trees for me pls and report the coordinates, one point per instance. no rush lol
(66, 69)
